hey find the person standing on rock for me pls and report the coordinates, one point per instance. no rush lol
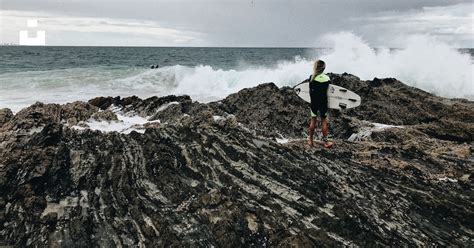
(318, 87)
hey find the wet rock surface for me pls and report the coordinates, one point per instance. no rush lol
(201, 175)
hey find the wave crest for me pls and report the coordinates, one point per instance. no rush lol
(424, 63)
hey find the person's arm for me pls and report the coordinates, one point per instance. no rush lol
(305, 81)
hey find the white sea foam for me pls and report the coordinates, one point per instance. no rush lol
(425, 63)
(282, 140)
(447, 179)
(126, 123)
(366, 131)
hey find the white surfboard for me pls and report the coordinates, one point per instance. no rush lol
(338, 97)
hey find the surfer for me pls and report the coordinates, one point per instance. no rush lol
(318, 87)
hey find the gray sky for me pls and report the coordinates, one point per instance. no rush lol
(257, 23)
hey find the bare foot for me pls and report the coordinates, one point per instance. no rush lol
(310, 142)
(328, 144)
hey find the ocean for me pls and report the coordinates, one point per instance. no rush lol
(66, 74)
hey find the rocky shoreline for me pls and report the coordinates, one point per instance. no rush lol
(169, 171)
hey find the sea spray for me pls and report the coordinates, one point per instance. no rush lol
(424, 62)
(205, 81)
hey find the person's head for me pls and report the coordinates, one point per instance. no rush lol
(319, 67)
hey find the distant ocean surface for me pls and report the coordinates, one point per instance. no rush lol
(66, 74)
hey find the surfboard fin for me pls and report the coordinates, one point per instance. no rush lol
(343, 105)
(352, 100)
(342, 90)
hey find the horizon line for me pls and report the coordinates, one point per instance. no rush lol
(259, 47)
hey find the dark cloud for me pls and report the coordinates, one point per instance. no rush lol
(239, 23)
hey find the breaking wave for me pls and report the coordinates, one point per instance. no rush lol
(424, 63)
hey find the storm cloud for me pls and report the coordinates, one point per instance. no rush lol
(257, 23)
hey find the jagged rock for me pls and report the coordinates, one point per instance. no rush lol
(213, 175)
(104, 102)
(40, 114)
(389, 101)
(5, 115)
(75, 112)
(146, 107)
(172, 111)
(106, 115)
(449, 129)
(268, 110)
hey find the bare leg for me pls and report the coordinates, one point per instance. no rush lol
(312, 127)
(324, 127)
